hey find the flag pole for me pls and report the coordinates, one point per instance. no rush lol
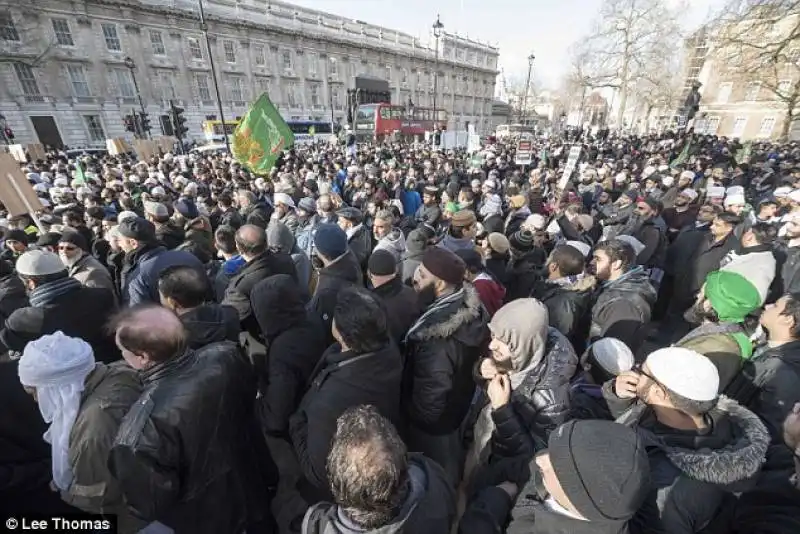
(204, 28)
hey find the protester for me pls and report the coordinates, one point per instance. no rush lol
(189, 454)
(84, 402)
(81, 265)
(364, 366)
(441, 349)
(377, 485)
(400, 301)
(359, 237)
(417, 243)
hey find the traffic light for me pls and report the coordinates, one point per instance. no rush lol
(144, 121)
(178, 121)
(130, 123)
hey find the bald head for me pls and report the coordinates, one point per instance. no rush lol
(251, 240)
(148, 335)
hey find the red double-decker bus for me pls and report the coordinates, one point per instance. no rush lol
(377, 121)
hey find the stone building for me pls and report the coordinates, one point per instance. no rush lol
(64, 79)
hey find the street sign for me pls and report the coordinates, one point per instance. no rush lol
(572, 160)
(681, 121)
(524, 152)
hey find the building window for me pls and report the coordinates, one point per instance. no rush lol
(447, 51)
(230, 51)
(265, 86)
(403, 76)
(336, 96)
(27, 80)
(201, 82)
(724, 92)
(157, 43)
(711, 126)
(315, 100)
(63, 35)
(286, 57)
(258, 55)
(333, 67)
(95, 128)
(313, 62)
(167, 84)
(471, 57)
(124, 81)
(767, 124)
(291, 95)
(112, 38)
(738, 126)
(194, 48)
(77, 77)
(751, 93)
(460, 54)
(8, 32)
(235, 84)
(784, 86)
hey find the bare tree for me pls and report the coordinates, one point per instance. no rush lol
(626, 38)
(758, 41)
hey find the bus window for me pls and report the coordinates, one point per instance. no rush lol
(366, 113)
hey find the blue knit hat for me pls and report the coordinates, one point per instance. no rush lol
(330, 240)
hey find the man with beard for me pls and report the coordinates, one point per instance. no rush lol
(701, 447)
(721, 307)
(429, 213)
(253, 211)
(651, 232)
(682, 213)
(787, 255)
(81, 265)
(442, 348)
(358, 235)
(623, 304)
(387, 236)
(285, 211)
(615, 223)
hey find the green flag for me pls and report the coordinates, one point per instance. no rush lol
(261, 136)
(80, 178)
(743, 154)
(683, 156)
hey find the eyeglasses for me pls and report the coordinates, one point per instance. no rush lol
(638, 368)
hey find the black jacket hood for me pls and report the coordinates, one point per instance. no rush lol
(277, 305)
(210, 323)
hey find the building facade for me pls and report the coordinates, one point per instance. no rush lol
(64, 78)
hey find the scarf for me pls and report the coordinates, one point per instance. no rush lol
(48, 292)
(436, 306)
(568, 281)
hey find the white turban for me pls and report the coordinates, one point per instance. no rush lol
(57, 366)
(283, 198)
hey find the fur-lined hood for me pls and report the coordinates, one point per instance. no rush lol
(738, 461)
(445, 319)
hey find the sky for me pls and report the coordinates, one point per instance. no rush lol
(545, 28)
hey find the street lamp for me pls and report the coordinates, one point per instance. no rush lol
(523, 110)
(332, 61)
(204, 29)
(128, 61)
(586, 83)
(437, 32)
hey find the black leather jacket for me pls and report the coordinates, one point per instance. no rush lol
(189, 453)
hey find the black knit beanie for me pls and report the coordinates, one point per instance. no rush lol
(602, 467)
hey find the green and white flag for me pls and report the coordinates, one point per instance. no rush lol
(683, 157)
(261, 136)
(743, 154)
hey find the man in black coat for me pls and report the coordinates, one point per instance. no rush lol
(58, 302)
(364, 366)
(359, 235)
(252, 210)
(294, 340)
(402, 305)
(703, 260)
(251, 242)
(12, 291)
(379, 487)
(340, 269)
(442, 348)
(190, 454)
(187, 292)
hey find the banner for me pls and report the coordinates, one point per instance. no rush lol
(79, 177)
(16, 193)
(683, 156)
(524, 154)
(572, 160)
(261, 136)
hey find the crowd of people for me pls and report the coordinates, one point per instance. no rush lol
(400, 339)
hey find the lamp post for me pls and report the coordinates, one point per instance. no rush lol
(132, 67)
(332, 61)
(204, 29)
(523, 110)
(586, 82)
(437, 32)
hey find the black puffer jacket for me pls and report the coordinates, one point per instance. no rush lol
(342, 380)
(568, 307)
(12, 294)
(189, 453)
(523, 273)
(441, 350)
(622, 308)
(705, 259)
(402, 306)
(210, 323)
(539, 404)
(343, 272)
(293, 340)
(257, 214)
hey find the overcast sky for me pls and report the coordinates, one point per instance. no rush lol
(545, 27)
